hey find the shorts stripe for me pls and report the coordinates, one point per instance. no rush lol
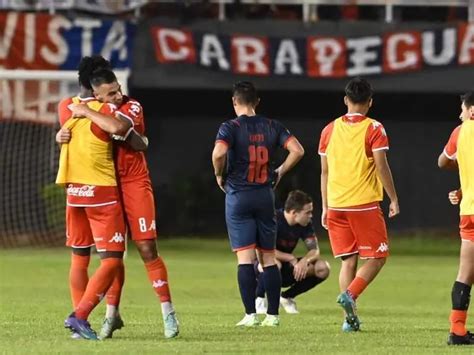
(338, 256)
(251, 246)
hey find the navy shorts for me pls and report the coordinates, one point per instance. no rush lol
(250, 218)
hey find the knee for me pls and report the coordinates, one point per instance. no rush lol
(322, 269)
(147, 250)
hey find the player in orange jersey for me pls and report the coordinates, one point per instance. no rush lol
(93, 215)
(137, 198)
(354, 172)
(459, 154)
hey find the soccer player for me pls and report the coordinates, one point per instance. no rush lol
(248, 145)
(354, 172)
(93, 214)
(303, 273)
(459, 154)
(137, 197)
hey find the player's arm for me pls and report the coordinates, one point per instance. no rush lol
(285, 257)
(385, 175)
(295, 153)
(114, 125)
(447, 159)
(324, 190)
(219, 156)
(313, 250)
(136, 141)
(444, 162)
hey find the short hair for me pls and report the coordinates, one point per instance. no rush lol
(245, 92)
(88, 65)
(468, 99)
(296, 200)
(102, 76)
(359, 90)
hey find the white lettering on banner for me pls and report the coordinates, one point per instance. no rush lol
(467, 46)
(447, 53)
(287, 54)
(30, 35)
(87, 26)
(164, 36)
(410, 58)
(116, 40)
(212, 49)
(8, 33)
(250, 51)
(55, 26)
(80, 191)
(327, 51)
(363, 53)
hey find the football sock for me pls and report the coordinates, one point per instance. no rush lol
(260, 286)
(272, 281)
(115, 291)
(247, 285)
(97, 286)
(166, 308)
(302, 286)
(356, 287)
(158, 276)
(78, 277)
(460, 297)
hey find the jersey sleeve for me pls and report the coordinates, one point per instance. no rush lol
(132, 111)
(377, 137)
(324, 139)
(451, 147)
(63, 111)
(284, 135)
(309, 236)
(226, 134)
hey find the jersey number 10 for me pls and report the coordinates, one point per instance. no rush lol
(258, 162)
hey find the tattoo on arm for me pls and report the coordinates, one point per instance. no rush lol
(311, 243)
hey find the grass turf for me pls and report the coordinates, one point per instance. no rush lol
(404, 311)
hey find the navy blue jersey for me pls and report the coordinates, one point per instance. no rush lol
(288, 236)
(252, 143)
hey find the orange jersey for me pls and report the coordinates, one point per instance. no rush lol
(80, 194)
(131, 165)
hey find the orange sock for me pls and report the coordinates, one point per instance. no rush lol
(458, 322)
(97, 286)
(158, 276)
(356, 287)
(78, 277)
(115, 291)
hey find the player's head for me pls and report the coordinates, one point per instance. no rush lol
(106, 87)
(299, 207)
(467, 106)
(358, 92)
(245, 94)
(87, 66)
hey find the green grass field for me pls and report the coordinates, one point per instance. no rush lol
(404, 311)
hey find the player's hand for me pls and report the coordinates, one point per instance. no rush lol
(324, 219)
(278, 176)
(63, 136)
(220, 182)
(393, 209)
(300, 270)
(455, 196)
(78, 110)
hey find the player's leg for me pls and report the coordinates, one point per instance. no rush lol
(266, 243)
(108, 228)
(461, 290)
(242, 231)
(260, 301)
(287, 301)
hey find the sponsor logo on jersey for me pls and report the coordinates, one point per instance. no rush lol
(81, 191)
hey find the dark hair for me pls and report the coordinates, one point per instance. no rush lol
(359, 90)
(102, 76)
(468, 99)
(245, 92)
(88, 65)
(296, 200)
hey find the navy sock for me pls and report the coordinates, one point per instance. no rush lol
(260, 286)
(272, 281)
(247, 286)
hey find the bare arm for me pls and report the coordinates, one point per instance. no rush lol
(112, 125)
(324, 191)
(219, 155)
(385, 176)
(296, 152)
(286, 257)
(445, 163)
(138, 142)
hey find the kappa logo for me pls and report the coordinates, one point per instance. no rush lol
(159, 283)
(117, 238)
(382, 248)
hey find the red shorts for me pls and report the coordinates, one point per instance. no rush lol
(139, 207)
(102, 226)
(359, 231)
(466, 227)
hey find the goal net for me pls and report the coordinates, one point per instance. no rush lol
(32, 206)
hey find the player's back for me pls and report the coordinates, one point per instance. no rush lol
(252, 143)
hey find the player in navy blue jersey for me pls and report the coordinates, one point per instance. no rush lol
(294, 223)
(243, 164)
